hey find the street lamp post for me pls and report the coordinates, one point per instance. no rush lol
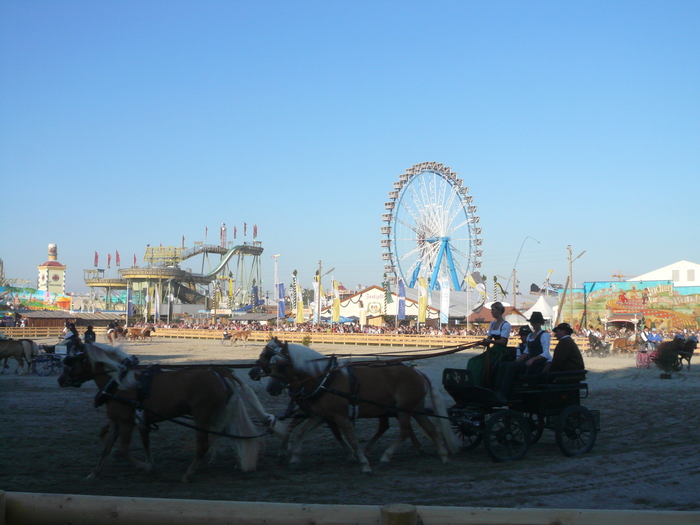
(318, 305)
(515, 282)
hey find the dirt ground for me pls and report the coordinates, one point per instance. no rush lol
(647, 455)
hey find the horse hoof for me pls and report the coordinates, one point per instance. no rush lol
(367, 472)
(185, 479)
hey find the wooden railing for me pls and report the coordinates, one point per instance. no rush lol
(292, 337)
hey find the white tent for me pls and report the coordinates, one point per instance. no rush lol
(542, 306)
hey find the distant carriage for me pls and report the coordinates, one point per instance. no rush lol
(597, 347)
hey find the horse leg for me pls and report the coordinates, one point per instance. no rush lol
(337, 435)
(296, 440)
(383, 427)
(125, 431)
(146, 442)
(348, 433)
(20, 365)
(110, 438)
(202, 448)
(405, 430)
(433, 433)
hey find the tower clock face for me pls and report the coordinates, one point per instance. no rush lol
(55, 277)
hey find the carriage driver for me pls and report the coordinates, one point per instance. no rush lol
(654, 339)
(71, 338)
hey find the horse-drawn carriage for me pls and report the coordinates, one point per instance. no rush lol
(50, 360)
(668, 354)
(544, 402)
(597, 347)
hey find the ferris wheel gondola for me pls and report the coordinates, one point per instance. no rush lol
(430, 228)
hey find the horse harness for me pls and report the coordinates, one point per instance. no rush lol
(302, 396)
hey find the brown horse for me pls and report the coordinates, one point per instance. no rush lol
(340, 394)
(628, 345)
(675, 352)
(241, 335)
(214, 397)
(16, 349)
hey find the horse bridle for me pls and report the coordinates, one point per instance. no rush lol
(277, 355)
(77, 381)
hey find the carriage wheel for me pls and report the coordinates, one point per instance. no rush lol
(575, 430)
(536, 422)
(468, 436)
(43, 366)
(507, 436)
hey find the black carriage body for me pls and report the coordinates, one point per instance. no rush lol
(538, 403)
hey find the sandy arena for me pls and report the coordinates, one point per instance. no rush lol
(647, 455)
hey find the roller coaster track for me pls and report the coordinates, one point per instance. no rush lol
(242, 249)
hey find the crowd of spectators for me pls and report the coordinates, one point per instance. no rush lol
(355, 328)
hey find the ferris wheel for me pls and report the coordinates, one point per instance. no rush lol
(430, 228)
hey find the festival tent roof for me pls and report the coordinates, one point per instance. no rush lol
(544, 307)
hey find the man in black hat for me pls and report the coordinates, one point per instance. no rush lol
(532, 357)
(567, 356)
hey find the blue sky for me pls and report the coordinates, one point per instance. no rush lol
(130, 123)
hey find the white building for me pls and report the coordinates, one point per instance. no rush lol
(682, 273)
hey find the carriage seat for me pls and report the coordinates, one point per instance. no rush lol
(552, 380)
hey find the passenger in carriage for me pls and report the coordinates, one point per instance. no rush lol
(531, 360)
(567, 356)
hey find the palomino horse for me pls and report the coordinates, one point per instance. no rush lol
(340, 394)
(240, 335)
(115, 334)
(214, 397)
(19, 349)
(628, 344)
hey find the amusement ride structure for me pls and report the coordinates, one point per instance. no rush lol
(430, 228)
(229, 283)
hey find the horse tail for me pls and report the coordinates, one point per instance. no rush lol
(234, 420)
(440, 409)
(278, 428)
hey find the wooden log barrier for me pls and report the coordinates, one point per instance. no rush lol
(22, 508)
(399, 514)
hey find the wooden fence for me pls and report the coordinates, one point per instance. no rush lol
(431, 341)
(21, 508)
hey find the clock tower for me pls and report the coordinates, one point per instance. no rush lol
(52, 274)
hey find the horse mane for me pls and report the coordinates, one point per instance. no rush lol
(110, 356)
(307, 360)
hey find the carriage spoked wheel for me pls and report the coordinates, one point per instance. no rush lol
(467, 434)
(575, 430)
(507, 436)
(536, 422)
(43, 365)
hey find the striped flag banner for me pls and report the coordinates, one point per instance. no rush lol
(444, 299)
